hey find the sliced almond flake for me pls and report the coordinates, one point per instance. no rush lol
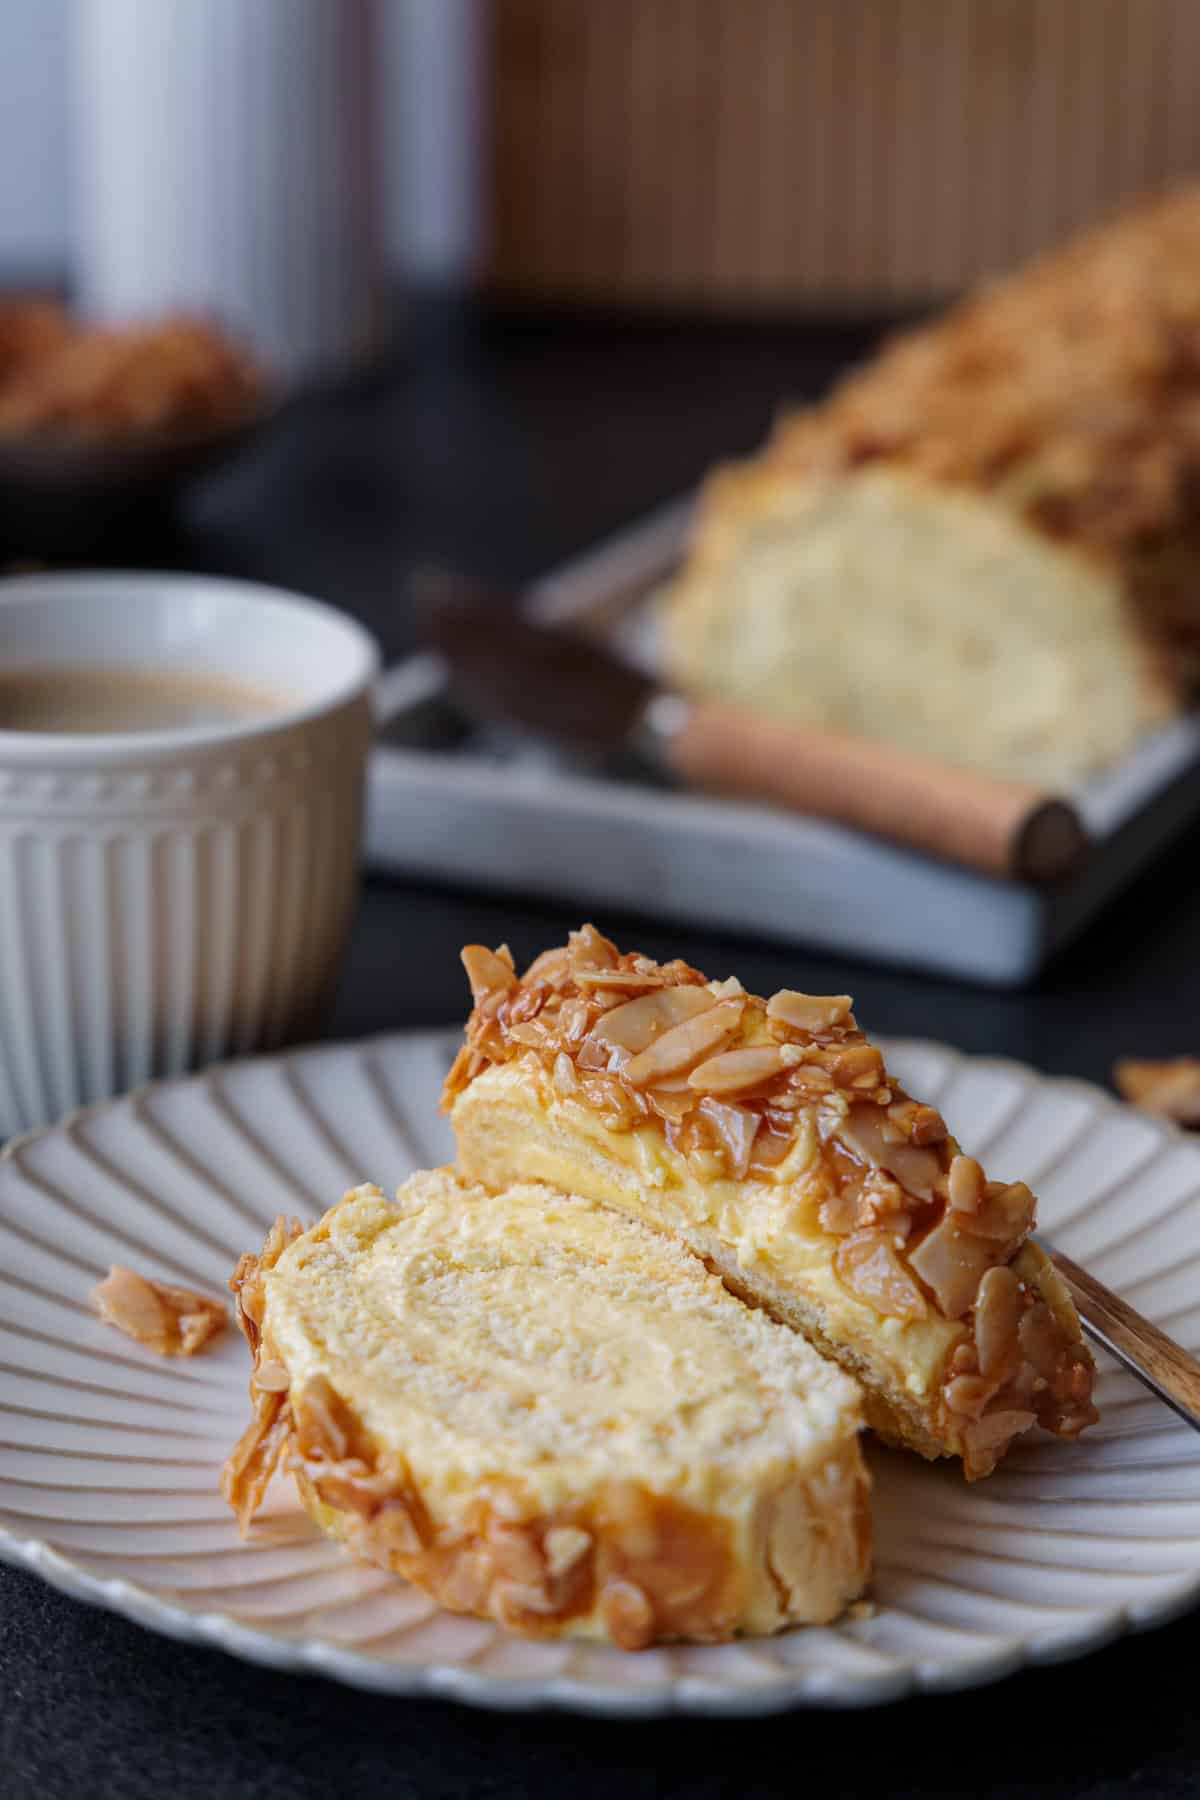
(674, 1107)
(587, 948)
(738, 1071)
(1170, 1087)
(998, 1309)
(968, 1395)
(627, 1613)
(685, 1044)
(927, 1126)
(635, 1024)
(256, 1455)
(1005, 1217)
(995, 1429)
(916, 1170)
(617, 980)
(859, 1066)
(967, 1185)
(323, 1419)
(563, 1546)
(867, 1264)
(839, 1214)
(813, 1013)
(173, 1321)
(574, 1019)
(952, 1264)
(770, 1149)
(487, 970)
(1041, 1338)
(272, 1377)
(736, 1129)
(552, 966)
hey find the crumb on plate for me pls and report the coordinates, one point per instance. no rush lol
(173, 1321)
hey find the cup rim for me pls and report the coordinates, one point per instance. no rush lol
(121, 746)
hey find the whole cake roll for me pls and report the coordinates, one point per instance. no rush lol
(768, 1136)
(985, 546)
(549, 1415)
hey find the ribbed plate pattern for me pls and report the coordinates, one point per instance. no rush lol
(109, 1457)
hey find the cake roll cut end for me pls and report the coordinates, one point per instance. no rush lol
(548, 1415)
(768, 1137)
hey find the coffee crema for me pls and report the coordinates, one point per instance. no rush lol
(125, 699)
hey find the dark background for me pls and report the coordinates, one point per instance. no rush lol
(502, 443)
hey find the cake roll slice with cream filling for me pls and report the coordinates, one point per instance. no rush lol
(768, 1137)
(549, 1415)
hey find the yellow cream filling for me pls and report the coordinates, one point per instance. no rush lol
(771, 1226)
(537, 1337)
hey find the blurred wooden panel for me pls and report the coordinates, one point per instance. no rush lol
(734, 154)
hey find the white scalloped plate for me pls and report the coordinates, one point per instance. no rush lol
(109, 1457)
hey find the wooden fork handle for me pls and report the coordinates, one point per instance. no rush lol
(1146, 1352)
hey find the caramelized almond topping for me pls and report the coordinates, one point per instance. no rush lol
(685, 1045)
(917, 1224)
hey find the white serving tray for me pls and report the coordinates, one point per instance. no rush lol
(524, 821)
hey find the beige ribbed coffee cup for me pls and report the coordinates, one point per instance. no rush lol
(172, 896)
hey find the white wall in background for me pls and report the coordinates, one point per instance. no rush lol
(33, 154)
(429, 63)
(429, 110)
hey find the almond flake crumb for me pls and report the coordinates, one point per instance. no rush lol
(1170, 1088)
(170, 1320)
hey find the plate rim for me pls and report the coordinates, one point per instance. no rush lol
(677, 1695)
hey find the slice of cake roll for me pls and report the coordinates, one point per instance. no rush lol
(546, 1414)
(985, 544)
(767, 1136)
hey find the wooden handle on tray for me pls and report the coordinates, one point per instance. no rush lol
(997, 827)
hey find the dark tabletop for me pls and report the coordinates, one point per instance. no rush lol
(503, 444)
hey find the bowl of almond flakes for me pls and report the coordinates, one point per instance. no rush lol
(100, 423)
